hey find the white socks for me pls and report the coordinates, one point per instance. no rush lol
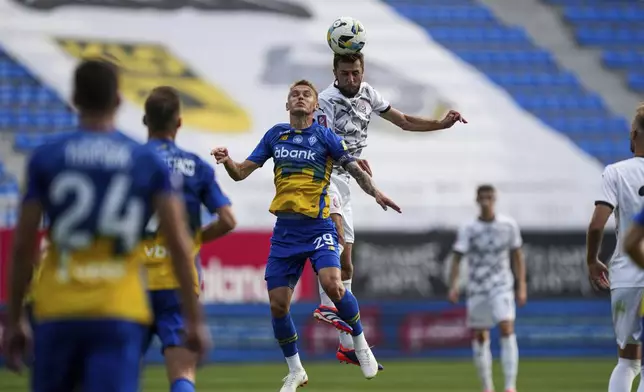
(360, 342)
(621, 380)
(346, 340)
(294, 363)
(483, 363)
(510, 361)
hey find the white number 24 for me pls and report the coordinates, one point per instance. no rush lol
(325, 239)
(119, 216)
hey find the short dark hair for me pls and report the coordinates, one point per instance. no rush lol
(348, 58)
(162, 108)
(96, 86)
(485, 188)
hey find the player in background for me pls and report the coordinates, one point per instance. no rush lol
(304, 152)
(490, 243)
(622, 190)
(97, 188)
(346, 107)
(163, 120)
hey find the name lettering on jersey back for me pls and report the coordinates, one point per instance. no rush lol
(282, 152)
(185, 166)
(98, 153)
(94, 271)
(156, 252)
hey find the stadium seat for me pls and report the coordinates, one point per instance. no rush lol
(530, 74)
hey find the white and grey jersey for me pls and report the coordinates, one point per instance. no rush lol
(349, 117)
(486, 246)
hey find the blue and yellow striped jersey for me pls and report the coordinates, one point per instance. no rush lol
(303, 162)
(96, 189)
(200, 187)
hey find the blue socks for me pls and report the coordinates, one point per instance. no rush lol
(349, 311)
(285, 334)
(182, 385)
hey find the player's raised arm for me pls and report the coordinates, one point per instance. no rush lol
(236, 170)
(604, 207)
(411, 123)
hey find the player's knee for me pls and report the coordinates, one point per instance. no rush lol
(334, 288)
(279, 307)
(481, 335)
(506, 328)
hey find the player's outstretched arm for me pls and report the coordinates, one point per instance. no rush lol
(411, 123)
(236, 170)
(369, 187)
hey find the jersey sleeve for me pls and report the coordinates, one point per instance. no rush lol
(608, 195)
(36, 188)
(378, 103)
(262, 152)
(325, 115)
(212, 196)
(517, 240)
(337, 148)
(462, 244)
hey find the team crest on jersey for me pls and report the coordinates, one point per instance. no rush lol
(364, 107)
(313, 140)
(298, 139)
(322, 120)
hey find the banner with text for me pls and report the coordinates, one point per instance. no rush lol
(410, 265)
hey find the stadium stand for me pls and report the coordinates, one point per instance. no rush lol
(615, 28)
(31, 112)
(508, 57)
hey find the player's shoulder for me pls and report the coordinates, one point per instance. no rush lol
(469, 224)
(625, 165)
(506, 219)
(278, 130)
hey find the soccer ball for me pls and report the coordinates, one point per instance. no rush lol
(346, 35)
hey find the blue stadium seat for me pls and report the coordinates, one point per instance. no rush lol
(636, 80)
(623, 59)
(456, 34)
(577, 14)
(601, 36)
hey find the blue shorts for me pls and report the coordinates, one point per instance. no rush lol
(88, 355)
(293, 242)
(168, 322)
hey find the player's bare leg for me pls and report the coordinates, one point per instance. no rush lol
(483, 358)
(181, 368)
(286, 335)
(509, 355)
(627, 368)
(348, 310)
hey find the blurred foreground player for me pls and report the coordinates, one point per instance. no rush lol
(304, 152)
(163, 120)
(622, 191)
(486, 243)
(346, 107)
(97, 188)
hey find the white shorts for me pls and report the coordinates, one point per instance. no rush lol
(625, 305)
(339, 190)
(485, 311)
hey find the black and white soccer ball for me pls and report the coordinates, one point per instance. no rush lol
(346, 35)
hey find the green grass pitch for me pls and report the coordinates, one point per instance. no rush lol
(558, 375)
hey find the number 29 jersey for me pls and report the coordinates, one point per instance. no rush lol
(96, 189)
